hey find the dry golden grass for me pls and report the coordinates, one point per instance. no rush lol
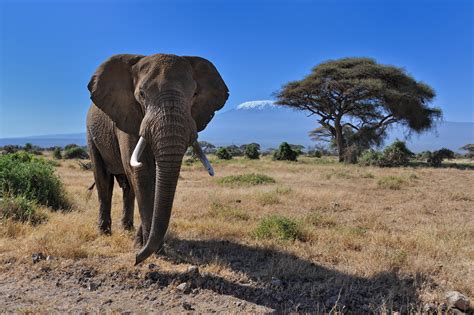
(420, 225)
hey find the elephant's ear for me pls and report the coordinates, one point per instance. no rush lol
(211, 91)
(112, 90)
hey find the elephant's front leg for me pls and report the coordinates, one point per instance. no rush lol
(144, 186)
(142, 180)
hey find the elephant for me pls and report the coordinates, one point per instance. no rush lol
(145, 113)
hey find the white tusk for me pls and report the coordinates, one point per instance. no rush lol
(137, 152)
(200, 154)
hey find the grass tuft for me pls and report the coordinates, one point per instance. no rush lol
(250, 179)
(391, 182)
(280, 228)
(225, 212)
(319, 220)
(21, 209)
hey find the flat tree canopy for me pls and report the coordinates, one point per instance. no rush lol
(356, 99)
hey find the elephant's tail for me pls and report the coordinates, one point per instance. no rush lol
(89, 192)
(91, 187)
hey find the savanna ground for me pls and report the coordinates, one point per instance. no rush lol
(366, 240)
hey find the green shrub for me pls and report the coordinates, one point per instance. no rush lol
(234, 150)
(23, 174)
(252, 152)
(285, 153)
(391, 182)
(70, 146)
(423, 155)
(76, 153)
(251, 179)
(279, 227)
(397, 154)
(57, 153)
(436, 158)
(315, 153)
(371, 158)
(21, 209)
(223, 154)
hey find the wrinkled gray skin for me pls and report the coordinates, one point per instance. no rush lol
(165, 99)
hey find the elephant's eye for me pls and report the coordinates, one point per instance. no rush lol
(142, 94)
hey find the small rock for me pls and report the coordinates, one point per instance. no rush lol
(187, 306)
(37, 257)
(152, 266)
(193, 270)
(430, 308)
(91, 286)
(183, 287)
(457, 300)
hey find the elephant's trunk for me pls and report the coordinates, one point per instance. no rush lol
(165, 128)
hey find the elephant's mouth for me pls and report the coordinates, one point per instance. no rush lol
(134, 161)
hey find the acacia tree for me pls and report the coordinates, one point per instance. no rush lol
(357, 99)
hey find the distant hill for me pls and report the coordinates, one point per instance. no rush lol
(269, 125)
(46, 141)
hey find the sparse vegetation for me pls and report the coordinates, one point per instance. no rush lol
(225, 212)
(251, 179)
(21, 209)
(391, 182)
(280, 228)
(350, 232)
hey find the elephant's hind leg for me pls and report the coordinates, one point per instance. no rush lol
(104, 182)
(128, 202)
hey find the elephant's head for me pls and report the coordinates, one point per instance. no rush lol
(166, 100)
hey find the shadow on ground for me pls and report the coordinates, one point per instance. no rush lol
(285, 282)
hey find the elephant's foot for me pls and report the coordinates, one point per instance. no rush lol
(127, 225)
(105, 228)
(139, 237)
(160, 252)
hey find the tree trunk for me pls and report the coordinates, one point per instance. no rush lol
(339, 138)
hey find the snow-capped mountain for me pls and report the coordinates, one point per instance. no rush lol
(261, 122)
(268, 124)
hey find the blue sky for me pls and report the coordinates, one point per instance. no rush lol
(49, 49)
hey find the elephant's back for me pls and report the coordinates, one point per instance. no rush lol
(101, 134)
